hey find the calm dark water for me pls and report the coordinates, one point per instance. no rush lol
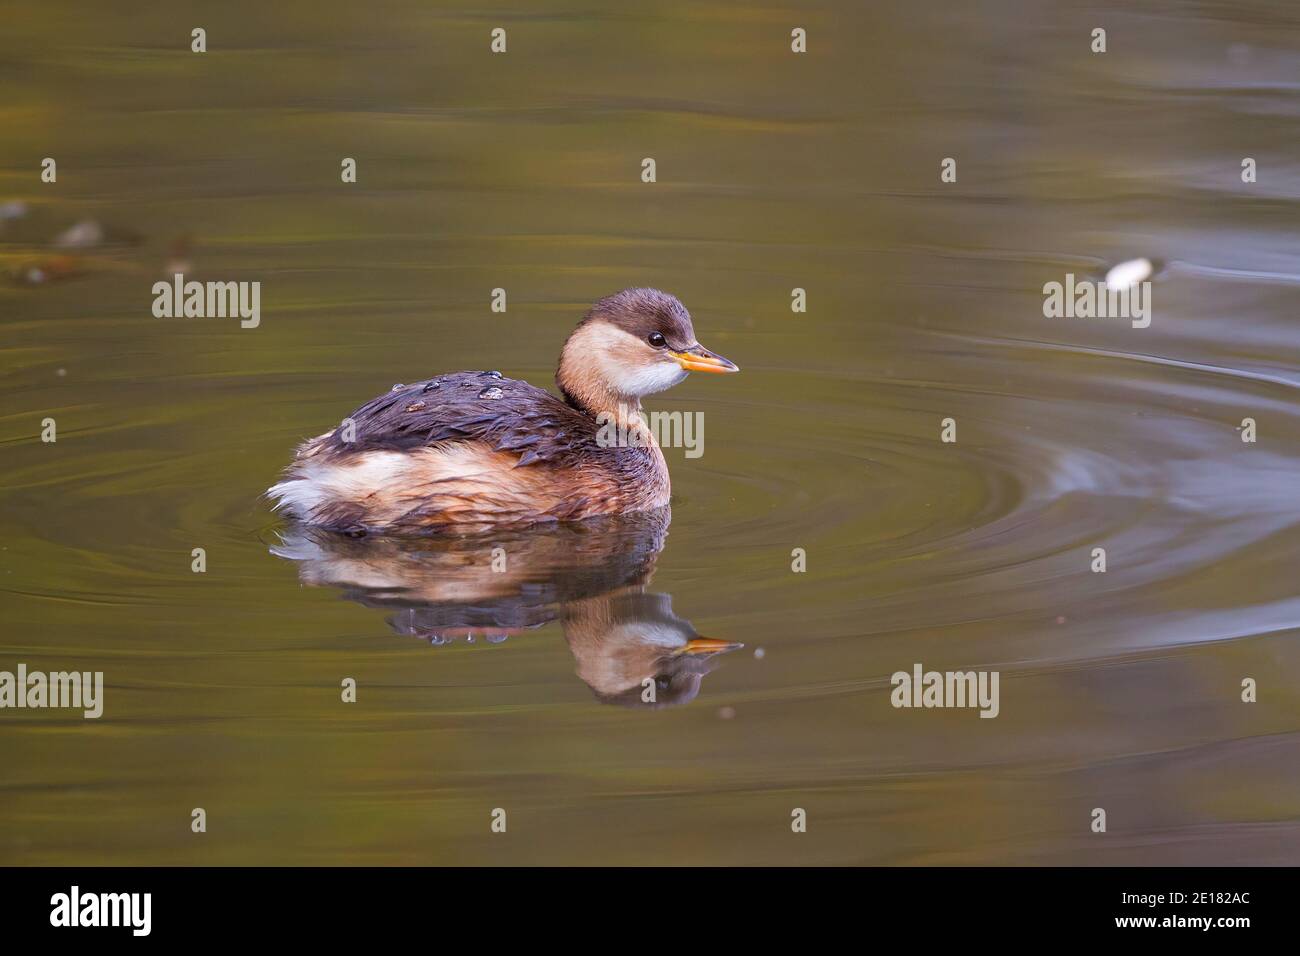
(477, 691)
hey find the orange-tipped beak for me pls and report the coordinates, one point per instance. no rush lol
(708, 645)
(699, 359)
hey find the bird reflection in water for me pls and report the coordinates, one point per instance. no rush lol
(591, 577)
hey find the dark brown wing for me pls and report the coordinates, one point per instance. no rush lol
(504, 413)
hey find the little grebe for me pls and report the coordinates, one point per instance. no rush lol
(473, 450)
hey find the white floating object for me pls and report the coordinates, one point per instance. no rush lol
(1129, 273)
(83, 235)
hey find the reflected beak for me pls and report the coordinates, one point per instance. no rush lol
(708, 645)
(697, 358)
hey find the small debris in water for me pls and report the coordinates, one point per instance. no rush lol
(1129, 273)
(84, 235)
(759, 653)
(726, 713)
(178, 257)
(492, 392)
(50, 269)
(12, 210)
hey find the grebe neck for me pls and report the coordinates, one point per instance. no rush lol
(588, 384)
(595, 401)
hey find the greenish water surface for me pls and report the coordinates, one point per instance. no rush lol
(775, 171)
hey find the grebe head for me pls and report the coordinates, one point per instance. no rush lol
(634, 343)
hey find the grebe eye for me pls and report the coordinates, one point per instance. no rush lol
(657, 340)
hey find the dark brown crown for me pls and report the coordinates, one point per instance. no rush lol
(643, 311)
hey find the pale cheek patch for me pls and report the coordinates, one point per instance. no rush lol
(645, 379)
(630, 367)
(656, 635)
